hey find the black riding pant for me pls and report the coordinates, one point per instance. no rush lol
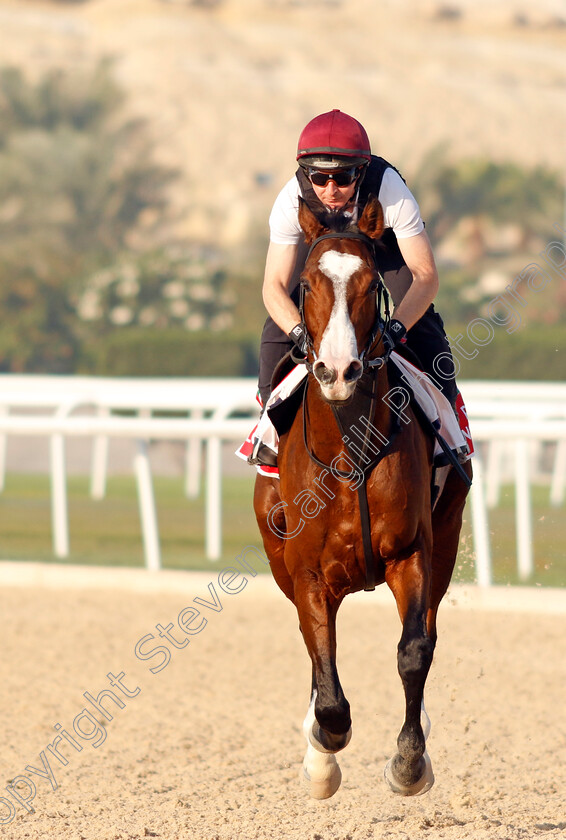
(427, 340)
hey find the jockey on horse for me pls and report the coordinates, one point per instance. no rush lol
(337, 172)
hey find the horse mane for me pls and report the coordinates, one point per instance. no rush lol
(337, 221)
(340, 221)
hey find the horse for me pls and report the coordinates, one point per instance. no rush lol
(325, 541)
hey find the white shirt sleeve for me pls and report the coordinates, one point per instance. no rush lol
(400, 209)
(284, 219)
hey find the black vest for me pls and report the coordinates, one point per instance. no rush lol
(395, 272)
(396, 275)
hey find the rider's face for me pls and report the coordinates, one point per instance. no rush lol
(333, 196)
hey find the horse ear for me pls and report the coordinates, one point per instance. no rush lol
(371, 221)
(311, 226)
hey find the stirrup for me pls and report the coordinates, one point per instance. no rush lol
(463, 453)
(262, 455)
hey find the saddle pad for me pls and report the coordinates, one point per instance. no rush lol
(454, 430)
(264, 430)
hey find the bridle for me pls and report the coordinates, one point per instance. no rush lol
(382, 299)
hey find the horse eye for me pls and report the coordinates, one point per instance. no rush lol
(305, 286)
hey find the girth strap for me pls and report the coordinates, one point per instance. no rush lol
(369, 559)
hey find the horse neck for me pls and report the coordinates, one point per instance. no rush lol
(382, 418)
(333, 424)
(376, 408)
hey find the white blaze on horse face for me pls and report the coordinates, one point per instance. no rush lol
(339, 339)
(339, 347)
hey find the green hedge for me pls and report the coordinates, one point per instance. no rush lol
(527, 354)
(171, 352)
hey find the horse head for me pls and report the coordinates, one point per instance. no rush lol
(339, 282)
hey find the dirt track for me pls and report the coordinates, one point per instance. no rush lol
(210, 746)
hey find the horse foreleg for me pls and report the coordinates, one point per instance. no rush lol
(446, 527)
(271, 522)
(409, 772)
(327, 725)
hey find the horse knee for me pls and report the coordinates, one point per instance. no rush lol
(414, 657)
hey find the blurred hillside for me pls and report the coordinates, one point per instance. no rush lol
(227, 84)
(136, 183)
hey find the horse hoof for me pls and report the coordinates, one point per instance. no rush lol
(423, 785)
(322, 781)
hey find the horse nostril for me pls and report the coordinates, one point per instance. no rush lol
(353, 371)
(326, 376)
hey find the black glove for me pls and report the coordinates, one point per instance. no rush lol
(300, 337)
(393, 335)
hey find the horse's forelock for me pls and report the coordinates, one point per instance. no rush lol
(337, 221)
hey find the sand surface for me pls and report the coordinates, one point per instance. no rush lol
(210, 745)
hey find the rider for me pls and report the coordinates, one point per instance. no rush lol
(338, 172)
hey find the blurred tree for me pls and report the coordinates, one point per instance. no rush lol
(487, 194)
(486, 221)
(172, 287)
(77, 180)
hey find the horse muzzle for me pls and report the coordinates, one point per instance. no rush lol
(337, 381)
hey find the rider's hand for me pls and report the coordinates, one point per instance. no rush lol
(394, 335)
(300, 337)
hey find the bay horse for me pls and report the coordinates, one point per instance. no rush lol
(324, 540)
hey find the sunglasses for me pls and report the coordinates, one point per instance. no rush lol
(342, 178)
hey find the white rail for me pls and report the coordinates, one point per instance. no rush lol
(520, 434)
(504, 417)
(207, 403)
(140, 429)
(197, 397)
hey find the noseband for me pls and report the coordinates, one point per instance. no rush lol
(382, 297)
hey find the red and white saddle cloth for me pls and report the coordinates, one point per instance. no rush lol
(456, 432)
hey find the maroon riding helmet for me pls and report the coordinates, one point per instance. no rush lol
(333, 140)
